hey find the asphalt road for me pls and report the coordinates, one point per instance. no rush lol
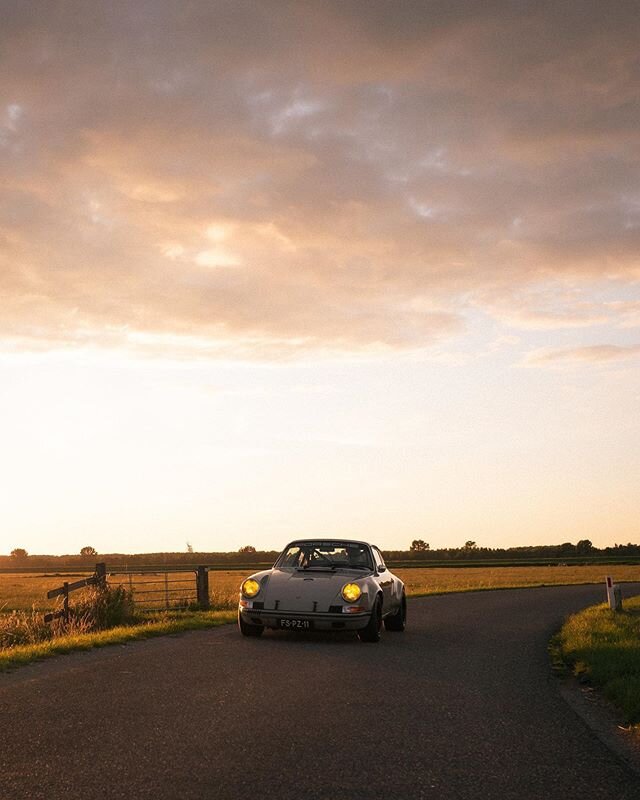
(461, 705)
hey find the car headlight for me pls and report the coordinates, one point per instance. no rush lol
(351, 592)
(250, 588)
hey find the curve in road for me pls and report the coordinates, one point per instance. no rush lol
(462, 705)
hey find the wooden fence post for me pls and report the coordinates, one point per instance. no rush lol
(101, 575)
(65, 607)
(202, 588)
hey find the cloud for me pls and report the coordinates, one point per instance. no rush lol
(590, 354)
(627, 313)
(376, 171)
(546, 307)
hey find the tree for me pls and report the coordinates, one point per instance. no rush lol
(470, 545)
(88, 551)
(247, 549)
(584, 547)
(19, 552)
(419, 546)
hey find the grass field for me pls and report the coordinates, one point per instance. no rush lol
(603, 647)
(421, 582)
(26, 591)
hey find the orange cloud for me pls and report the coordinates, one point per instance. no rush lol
(380, 171)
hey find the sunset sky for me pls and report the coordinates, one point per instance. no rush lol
(355, 268)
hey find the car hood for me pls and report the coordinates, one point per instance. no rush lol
(311, 590)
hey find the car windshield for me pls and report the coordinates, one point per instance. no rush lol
(326, 555)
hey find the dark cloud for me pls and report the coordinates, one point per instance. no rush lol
(285, 176)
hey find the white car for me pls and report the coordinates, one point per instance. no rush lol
(324, 584)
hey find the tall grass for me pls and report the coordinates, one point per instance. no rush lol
(97, 608)
(225, 599)
(28, 627)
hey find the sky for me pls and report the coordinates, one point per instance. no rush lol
(355, 268)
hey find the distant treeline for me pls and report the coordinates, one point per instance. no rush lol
(583, 550)
(566, 550)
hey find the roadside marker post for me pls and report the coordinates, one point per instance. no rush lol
(614, 595)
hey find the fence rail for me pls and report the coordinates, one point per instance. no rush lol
(98, 578)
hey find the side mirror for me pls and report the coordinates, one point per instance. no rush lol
(382, 569)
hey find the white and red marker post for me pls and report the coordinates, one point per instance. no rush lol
(614, 594)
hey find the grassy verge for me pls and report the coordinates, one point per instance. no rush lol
(603, 648)
(168, 623)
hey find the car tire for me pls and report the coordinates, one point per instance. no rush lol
(398, 621)
(371, 633)
(249, 630)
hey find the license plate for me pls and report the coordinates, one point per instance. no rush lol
(296, 624)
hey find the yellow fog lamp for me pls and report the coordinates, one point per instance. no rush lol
(250, 588)
(351, 592)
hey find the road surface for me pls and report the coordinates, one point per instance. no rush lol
(461, 705)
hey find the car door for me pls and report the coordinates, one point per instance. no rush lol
(385, 580)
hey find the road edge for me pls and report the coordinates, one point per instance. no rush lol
(602, 719)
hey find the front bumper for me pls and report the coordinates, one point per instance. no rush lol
(270, 618)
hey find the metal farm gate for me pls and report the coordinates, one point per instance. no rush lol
(175, 588)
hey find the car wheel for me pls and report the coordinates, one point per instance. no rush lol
(372, 631)
(249, 630)
(398, 621)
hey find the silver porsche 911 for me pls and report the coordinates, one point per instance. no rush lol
(324, 584)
